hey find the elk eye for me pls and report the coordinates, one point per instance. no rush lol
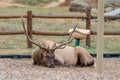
(53, 50)
(48, 57)
(53, 56)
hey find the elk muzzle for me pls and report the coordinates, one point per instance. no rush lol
(49, 61)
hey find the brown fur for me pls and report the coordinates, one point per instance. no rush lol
(44, 56)
(66, 57)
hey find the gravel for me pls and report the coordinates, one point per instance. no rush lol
(22, 69)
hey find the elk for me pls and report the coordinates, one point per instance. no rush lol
(50, 54)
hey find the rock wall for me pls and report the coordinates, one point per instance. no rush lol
(82, 5)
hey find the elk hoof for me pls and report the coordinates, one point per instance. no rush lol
(90, 63)
(34, 62)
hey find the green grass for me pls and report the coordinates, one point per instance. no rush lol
(17, 43)
(33, 2)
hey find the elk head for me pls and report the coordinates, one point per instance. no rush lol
(47, 53)
(48, 47)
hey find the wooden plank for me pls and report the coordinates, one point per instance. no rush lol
(51, 33)
(29, 28)
(88, 27)
(59, 16)
(11, 16)
(100, 33)
(11, 32)
(54, 33)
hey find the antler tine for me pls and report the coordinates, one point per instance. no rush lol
(27, 33)
(69, 39)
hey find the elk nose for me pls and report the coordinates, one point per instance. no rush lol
(52, 66)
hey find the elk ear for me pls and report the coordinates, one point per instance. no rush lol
(43, 45)
(54, 46)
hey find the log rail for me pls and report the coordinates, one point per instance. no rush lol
(29, 17)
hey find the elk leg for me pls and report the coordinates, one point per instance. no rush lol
(85, 59)
(37, 61)
(58, 60)
(57, 63)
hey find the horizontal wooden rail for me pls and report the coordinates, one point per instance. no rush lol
(54, 33)
(58, 16)
(55, 16)
(107, 17)
(51, 33)
(11, 32)
(11, 16)
(41, 16)
(107, 33)
(29, 16)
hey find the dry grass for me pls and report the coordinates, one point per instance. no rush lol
(17, 43)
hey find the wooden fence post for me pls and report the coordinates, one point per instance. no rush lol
(88, 27)
(29, 27)
(100, 37)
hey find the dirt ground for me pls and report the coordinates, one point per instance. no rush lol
(7, 4)
(57, 3)
(22, 69)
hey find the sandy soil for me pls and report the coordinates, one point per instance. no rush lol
(22, 69)
(55, 4)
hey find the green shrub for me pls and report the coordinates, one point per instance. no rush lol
(28, 2)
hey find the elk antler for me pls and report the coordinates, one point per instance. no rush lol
(26, 32)
(69, 39)
(61, 46)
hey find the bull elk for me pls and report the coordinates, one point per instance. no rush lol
(50, 54)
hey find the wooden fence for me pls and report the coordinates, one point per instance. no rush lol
(29, 17)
